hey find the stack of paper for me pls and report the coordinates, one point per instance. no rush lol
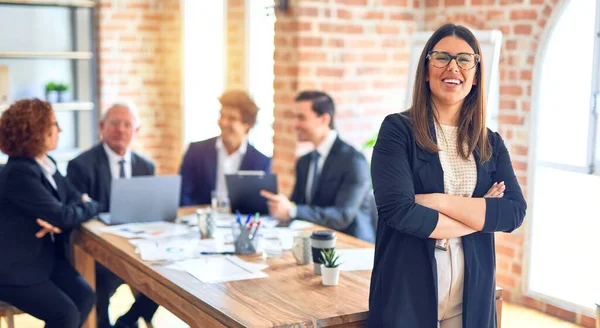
(354, 259)
(216, 269)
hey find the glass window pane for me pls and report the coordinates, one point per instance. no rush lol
(203, 54)
(565, 87)
(30, 29)
(27, 78)
(261, 76)
(565, 229)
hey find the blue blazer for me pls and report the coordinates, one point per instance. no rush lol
(25, 195)
(404, 278)
(199, 170)
(90, 173)
(342, 200)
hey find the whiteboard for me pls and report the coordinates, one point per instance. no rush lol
(491, 42)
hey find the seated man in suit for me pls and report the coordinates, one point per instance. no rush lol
(333, 185)
(92, 173)
(206, 163)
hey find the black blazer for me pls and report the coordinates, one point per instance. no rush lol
(90, 173)
(199, 170)
(25, 195)
(404, 278)
(342, 198)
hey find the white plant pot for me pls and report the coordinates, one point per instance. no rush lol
(330, 276)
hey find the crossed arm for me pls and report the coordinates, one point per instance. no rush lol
(438, 216)
(458, 216)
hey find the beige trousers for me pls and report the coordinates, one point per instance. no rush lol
(450, 274)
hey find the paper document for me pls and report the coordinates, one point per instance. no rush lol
(300, 225)
(147, 230)
(216, 269)
(284, 236)
(354, 259)
(179, 248)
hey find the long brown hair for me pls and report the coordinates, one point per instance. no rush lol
(472, 118)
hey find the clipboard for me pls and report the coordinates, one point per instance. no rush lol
(244, 191)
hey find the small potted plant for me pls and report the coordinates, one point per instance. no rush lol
(49, 87)
(60, 88)
(330, 268)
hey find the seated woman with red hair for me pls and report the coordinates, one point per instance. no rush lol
(35, 273)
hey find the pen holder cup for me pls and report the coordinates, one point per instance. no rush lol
(245, 242)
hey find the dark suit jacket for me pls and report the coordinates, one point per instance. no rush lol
(25, 195)
(90, 173)
(342, 198)
(199, 170)
(404, 278)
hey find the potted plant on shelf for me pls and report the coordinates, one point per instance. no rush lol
(49, 87)
(330, 269)
(60, 88)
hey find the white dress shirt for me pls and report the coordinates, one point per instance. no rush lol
(228, 164)
(114, 159)
(323, 149)
(48, 169)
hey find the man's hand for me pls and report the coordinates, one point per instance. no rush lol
(279, 205)
(46, 228)
(496, 191)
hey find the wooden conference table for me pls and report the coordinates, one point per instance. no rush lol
(292, 295)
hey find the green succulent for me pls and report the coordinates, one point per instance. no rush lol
(330, 258)
(61, 87)
(50, 86)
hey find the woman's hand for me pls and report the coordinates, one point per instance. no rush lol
(46, 228)
(85, 198)
(496, 191)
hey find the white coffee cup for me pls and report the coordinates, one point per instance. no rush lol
(302, 247)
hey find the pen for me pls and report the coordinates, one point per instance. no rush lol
(52, 236)
(256, 216)
(239, 218)
(217, 253)
(248, 219)
(255, 230)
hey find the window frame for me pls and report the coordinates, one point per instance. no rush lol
(593, 149)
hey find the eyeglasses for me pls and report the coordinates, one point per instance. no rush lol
(464, 60)
(56, 124)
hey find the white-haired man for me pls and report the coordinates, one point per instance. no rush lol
(92, 172)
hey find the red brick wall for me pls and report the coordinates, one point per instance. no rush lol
(236, 70)
(356, 50)
(139, 60)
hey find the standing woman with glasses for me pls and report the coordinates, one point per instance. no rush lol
(443, 184)
(37, 202)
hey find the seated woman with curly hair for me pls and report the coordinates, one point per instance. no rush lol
(35, 273)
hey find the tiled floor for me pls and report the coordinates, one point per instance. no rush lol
(513, 316)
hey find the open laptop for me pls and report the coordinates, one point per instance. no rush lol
(143, 199)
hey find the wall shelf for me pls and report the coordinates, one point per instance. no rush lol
(46, 55)
(63, 106)
(61, 3)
